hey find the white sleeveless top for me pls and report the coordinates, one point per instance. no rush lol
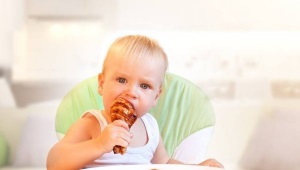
(136, 155)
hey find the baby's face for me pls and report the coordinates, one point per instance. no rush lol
(139, 83)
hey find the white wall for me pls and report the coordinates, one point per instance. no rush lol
(196, 28)
(11, 19)
(213, 15)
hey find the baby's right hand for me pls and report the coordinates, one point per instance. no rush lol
(115, 133)
(212, 163)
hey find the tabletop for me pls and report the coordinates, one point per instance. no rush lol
(155, 167)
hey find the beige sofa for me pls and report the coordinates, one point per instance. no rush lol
(246, 136)
(29, 134)
(254, 135)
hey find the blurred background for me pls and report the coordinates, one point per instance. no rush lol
(244, 54)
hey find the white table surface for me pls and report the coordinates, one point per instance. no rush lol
(155, 167)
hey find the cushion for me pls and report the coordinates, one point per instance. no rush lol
(37, 137)
(275, 143)
(3, 150)
(199, 142)
(182, 109)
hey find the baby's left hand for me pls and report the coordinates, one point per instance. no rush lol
(212, 163)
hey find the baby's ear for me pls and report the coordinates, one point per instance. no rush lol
(157, 97)
(100, 83)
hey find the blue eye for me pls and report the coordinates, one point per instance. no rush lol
(144, 86)
(121, 80)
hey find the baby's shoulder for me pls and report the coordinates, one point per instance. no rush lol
(93, 117)
(149, 117)
(150, 121)
(89, 119)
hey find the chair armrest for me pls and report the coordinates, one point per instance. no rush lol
(192, 149)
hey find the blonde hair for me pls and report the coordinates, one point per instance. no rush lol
(135, 48)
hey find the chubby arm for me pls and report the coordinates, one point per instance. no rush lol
(85, 142)
(161, 157)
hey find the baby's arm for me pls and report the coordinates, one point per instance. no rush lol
(161, 157)
(84, 143)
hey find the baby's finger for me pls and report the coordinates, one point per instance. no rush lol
(212, 162)
(122, 133)
(121, 123)
(122, 142)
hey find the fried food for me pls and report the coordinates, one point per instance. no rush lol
(121, 109)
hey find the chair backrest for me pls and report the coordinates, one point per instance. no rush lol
(182, 109)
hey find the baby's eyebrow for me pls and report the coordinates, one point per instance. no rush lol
(149, 81)
(119, 74)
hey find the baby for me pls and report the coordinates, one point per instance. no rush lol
(133, 69)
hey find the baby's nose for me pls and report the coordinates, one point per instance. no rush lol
(131, 91)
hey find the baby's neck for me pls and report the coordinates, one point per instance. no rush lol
(106, 116)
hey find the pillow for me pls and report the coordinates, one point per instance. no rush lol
(3, 150)
(275, 143)
(37, 137)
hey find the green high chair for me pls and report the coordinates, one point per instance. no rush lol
(184, 114)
